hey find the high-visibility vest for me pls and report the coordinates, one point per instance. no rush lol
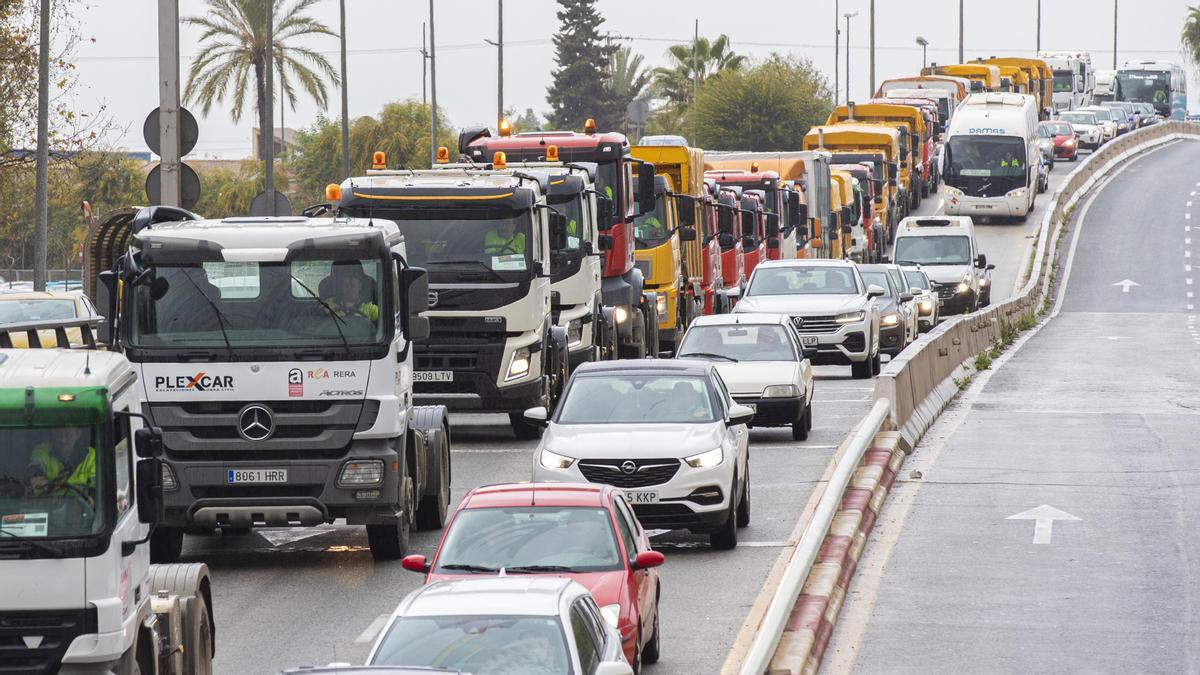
(498, 244)
(83, 476)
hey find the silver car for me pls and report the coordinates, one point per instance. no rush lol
(666, 432)
(926, 298)
(540, 625)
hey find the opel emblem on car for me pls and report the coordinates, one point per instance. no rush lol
(628, 466)
(255, 423)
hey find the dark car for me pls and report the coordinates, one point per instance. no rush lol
(893, 332)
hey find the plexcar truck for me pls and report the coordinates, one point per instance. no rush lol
(276, 356)
(80, 494)
(485, 238)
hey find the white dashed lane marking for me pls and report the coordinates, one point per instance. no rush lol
(372, 629)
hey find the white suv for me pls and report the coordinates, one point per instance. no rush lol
(832, 309)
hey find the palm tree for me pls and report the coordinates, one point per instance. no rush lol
(693, 63)
(235, 45)
(626, 76)
(1189, 37)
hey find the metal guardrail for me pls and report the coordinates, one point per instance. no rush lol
(903, 391)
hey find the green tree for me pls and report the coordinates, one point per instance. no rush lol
(235, 47)
(769, 106)
(1189, 36)
(581, 87)
(691, 64)
(401, 130)
(627, 77)
(230, 191)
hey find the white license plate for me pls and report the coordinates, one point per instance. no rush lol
(433, 376)
(641, 497)
(807, 341)
(248, 476)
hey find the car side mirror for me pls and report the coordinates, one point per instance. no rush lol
(874, 291)
(916, 291)
(981, 261)
(149, 490)
(739, 414)
(415, 282)
(415, 563)
(537, 416)
(989, 266)
(148, 442)
(647, 559)
(906, 297)
(687, 233)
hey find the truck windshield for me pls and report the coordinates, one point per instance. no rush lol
(1064, 81)
(802, 280)
(1145, 85)
(48, 483)
(985, 166)
(302, 303)
(489, 239)
(650, 229)
(939, 250)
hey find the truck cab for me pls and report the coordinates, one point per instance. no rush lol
(80, 493)
(712, 279)
(864, 142)
(781, 233)
(753, 217)
(623, 284)
(276, 356)
(730, 240)
(910, 122)
(660, 236)
(865, 187)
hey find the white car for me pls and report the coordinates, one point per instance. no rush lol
(666, 432)
(926, 297)
(832, 309)
(760, 358)
(1087, 127)
(1107, 119)
(536, 624)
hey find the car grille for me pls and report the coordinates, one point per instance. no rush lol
(647, 472)
(815, 324)
(57, 629)
(944, 291)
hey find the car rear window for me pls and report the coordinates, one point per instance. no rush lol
(17, 311)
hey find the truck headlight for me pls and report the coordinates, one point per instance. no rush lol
(361, 472)
(661, 304)
(611, 614)
(621, 313)
(168, 478)
(705, 460)
(781, 391)
(851, 317)
(962, 287)
(574, 332)
(553, 460)
(519, 366)
(889, 320)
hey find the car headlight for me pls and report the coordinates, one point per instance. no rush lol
(661, 305)
(705, 460)
(611, 614)
(621, 313)
(519, 366)
(574, 332)
(984, 282)
(1070, 142)
(962, 287)
(925, 307)
(553, 460)
(781, 391)
(890, 320)
(851, 317)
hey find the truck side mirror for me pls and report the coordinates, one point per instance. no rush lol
(686, 209)
(772, 224)
(149, 490)
(604, 211)
(604, 243)
(645, 188)
(148, 442)
(772, 242)
(725, 240)
(687, 233)
(106, 304)
(415, 284)
(558, 231)
(748, 242)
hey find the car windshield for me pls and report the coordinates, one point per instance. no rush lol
(802, 280)
(916, 279)
(1057, 128)
(302, 303)
(1104, 115)
(17, 310)
(637, 398)
(744, 342)
(48, 483)
(489, 644)
(575, 539)
(1044, 132)
(651, 228)
(881, 280)
(897, 279)
(949, 250)
(1079, 118)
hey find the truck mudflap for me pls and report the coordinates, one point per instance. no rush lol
(181, 598)
(431, 435)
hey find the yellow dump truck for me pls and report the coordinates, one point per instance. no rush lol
(912, 138)
(983, 76)
(1041, 80)
(867, 143)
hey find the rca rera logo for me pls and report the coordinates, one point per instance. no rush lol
(199, 382)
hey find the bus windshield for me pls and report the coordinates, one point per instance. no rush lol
(1145, 86)
(985, 166)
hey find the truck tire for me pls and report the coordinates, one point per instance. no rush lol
(432, 422)
(190, 582)
(560, 365)
(389, 541)
(524, 431)
(166, 544)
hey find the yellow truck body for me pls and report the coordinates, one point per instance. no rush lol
(988, 76)
(851, 138)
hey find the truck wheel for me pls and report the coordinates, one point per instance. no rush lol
(166, 545)
(431, 513)
(190, 583)
(389, 541)
(861, 371)
(201, 650)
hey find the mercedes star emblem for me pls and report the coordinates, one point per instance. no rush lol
(628, 466)
(255, 423)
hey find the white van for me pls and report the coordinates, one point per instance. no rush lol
(990, 156)
(945, 249)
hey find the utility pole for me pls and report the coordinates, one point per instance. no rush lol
(1038, 48)
(837, 32)
(695, 70)
(424, 67)
(168, 103)
(268, 148)
(872, 18)
(433, 120)
(1114, 34)
(960, 31)
(499, 45)
(848, 15)
(42, 196)
(345, 101)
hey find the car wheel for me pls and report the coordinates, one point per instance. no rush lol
(876, 364)
(808, 416)
(801, 426)
(726, 537)
(637, 655)
(650, 652)
(743, 512)
(861, 370)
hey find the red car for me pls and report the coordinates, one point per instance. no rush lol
(586, 532)
(1066, 141)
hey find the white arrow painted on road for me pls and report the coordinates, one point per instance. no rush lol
(1125, 284)
(1043, 517)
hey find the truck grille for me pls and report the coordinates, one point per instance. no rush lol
(647, 472)
(56, 628)
(815, 324)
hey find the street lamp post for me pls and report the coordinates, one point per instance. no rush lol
(837, 32)
(848, 16)
(924, 47)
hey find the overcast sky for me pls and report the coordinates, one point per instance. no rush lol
(384, 41)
